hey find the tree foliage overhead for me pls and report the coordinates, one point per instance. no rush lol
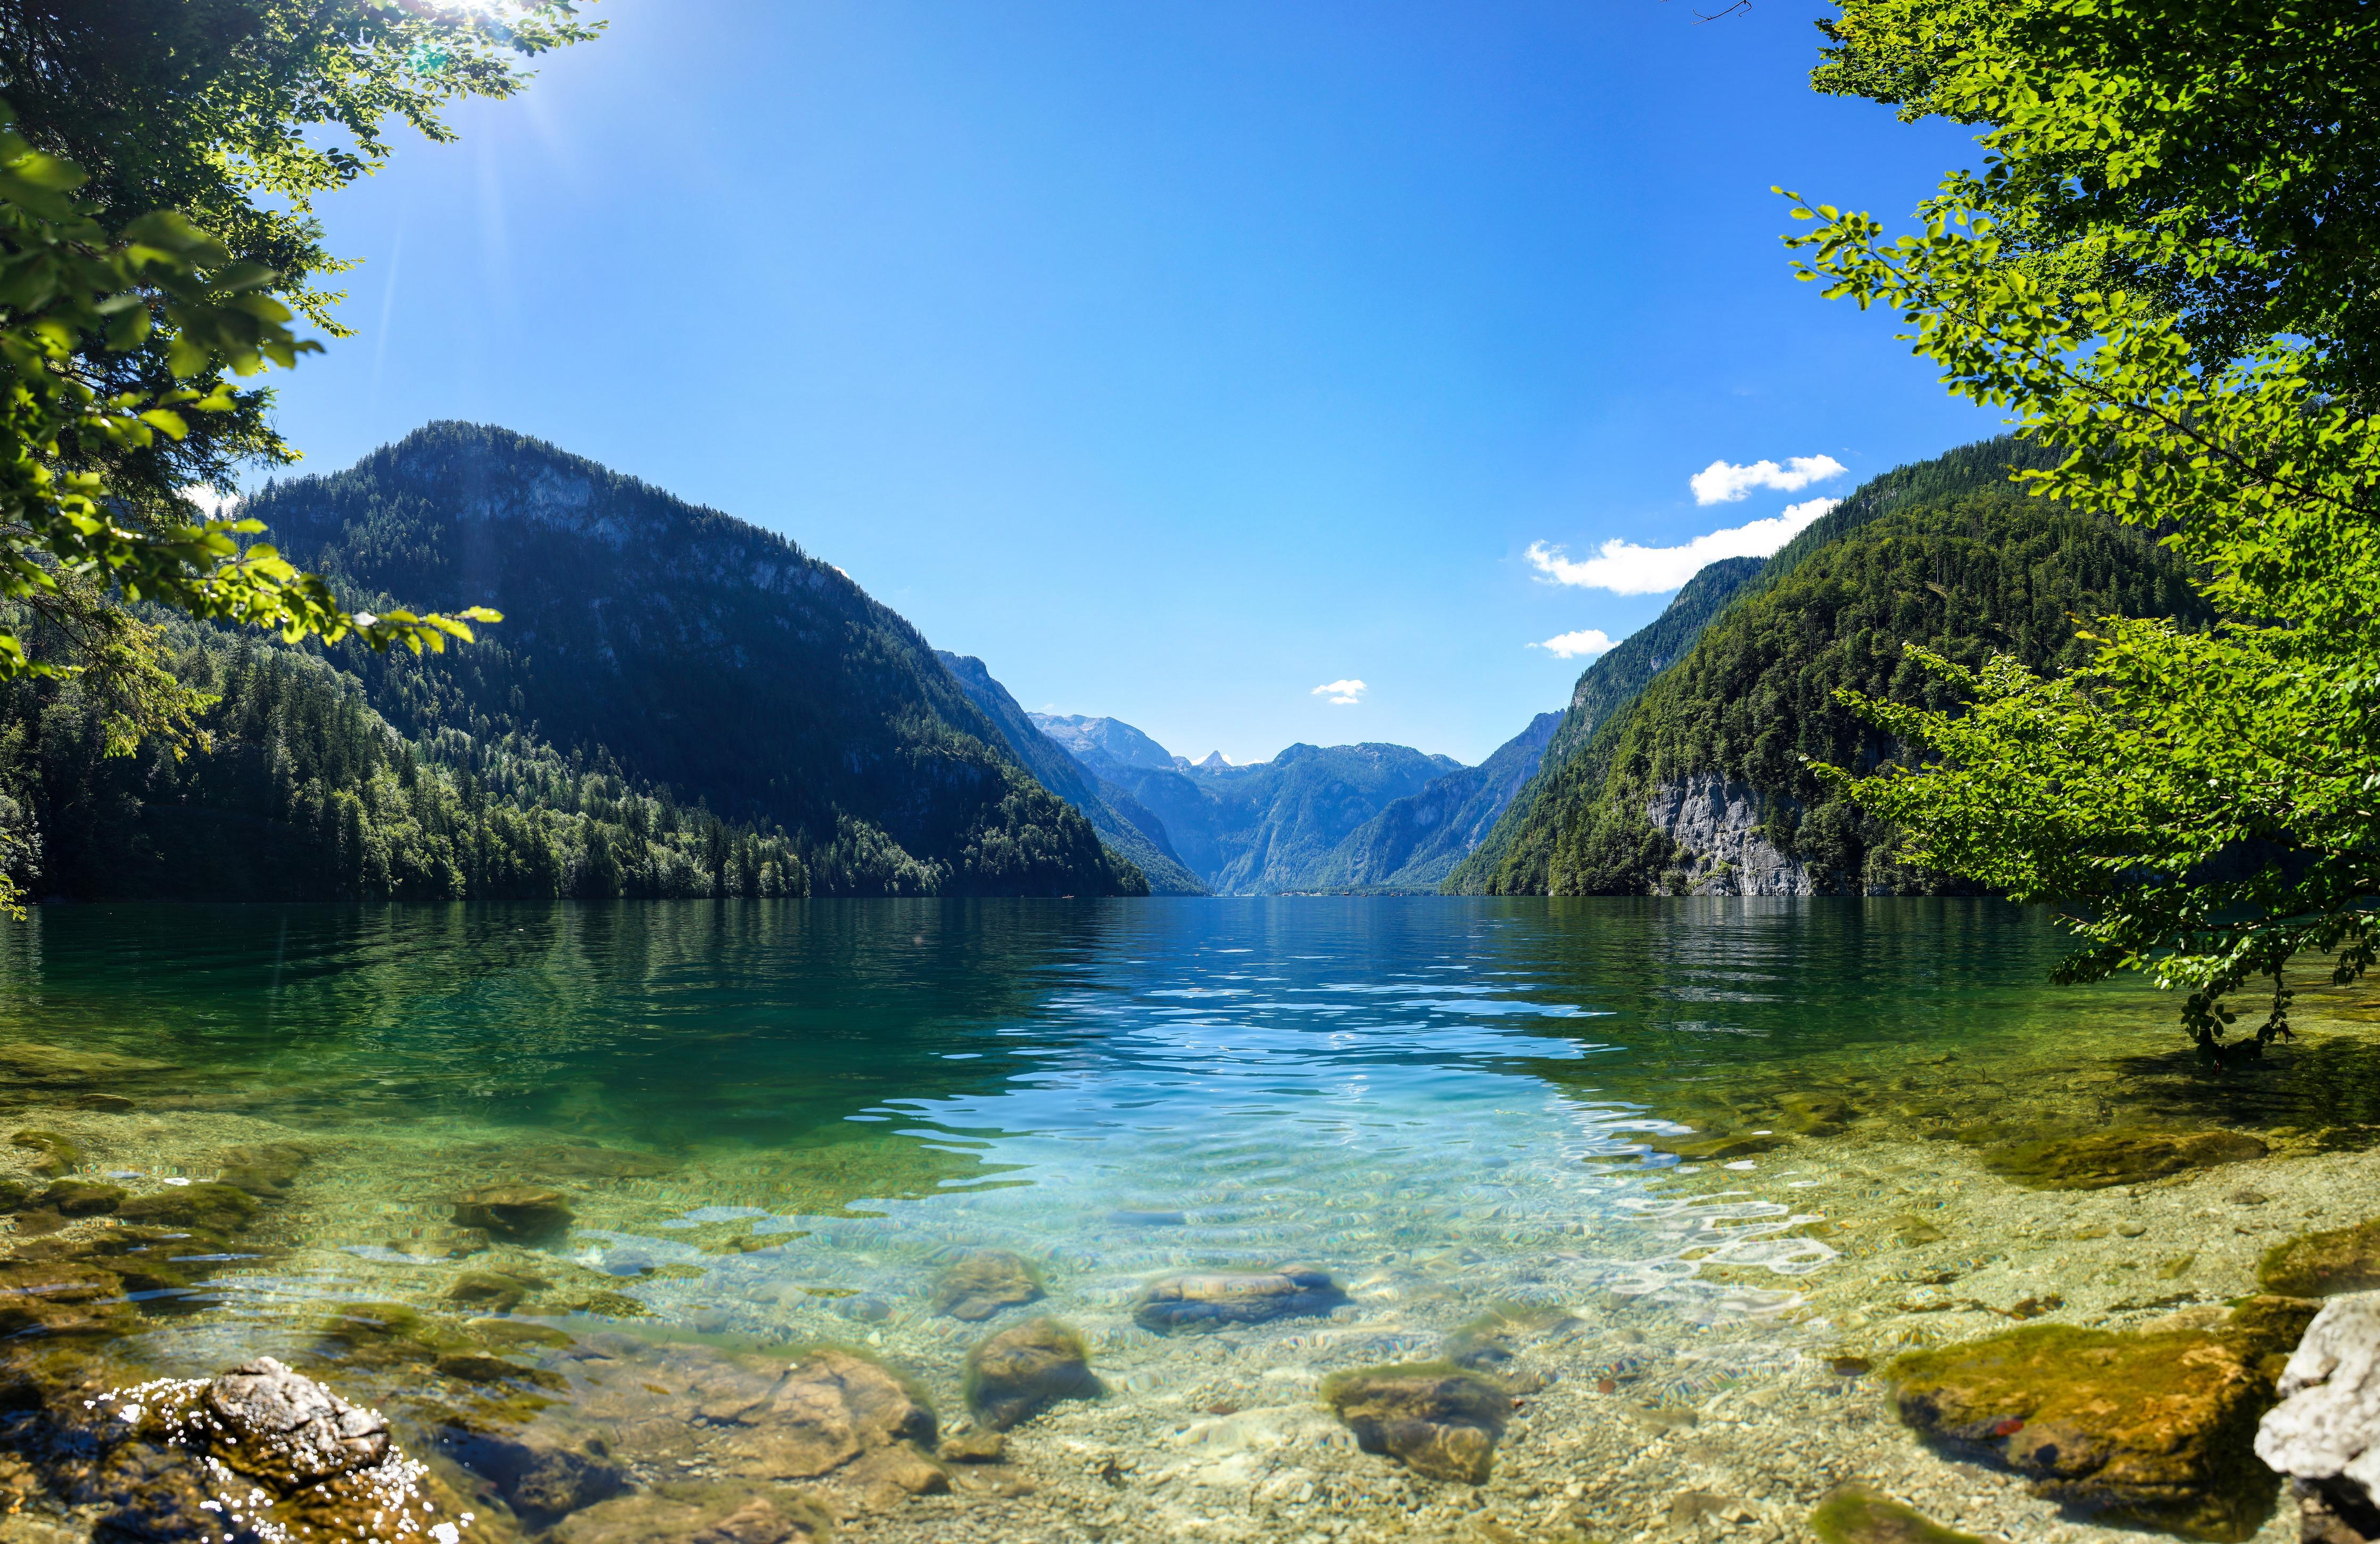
(2164, 272)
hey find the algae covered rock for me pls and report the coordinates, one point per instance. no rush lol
(287, 1431)
(1853, 1514)
(1439, 1420)
(984, 1283)
(2325, 1432)
(75, 1197)
(266, 1171)
(2108, 1158)
(259, 1452)
(2154, 1426)
(494, 1291)
(2324, 1264)
(521, 1213)
(51, 1154)
(215, 1208)
(1212, 1300)
(1019, 1372)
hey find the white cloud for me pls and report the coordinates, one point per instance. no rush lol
(211, 505)
(1587, 643)
(1724, 483)
(1346, 694)
(1625, 568)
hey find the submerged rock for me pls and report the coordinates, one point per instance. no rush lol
(817, 1415)
(260, 1452)
(1853, 1514)
(1019, 1372)
(543, 1481)
(2156, 1427)
(1438, 1420)
(2325, 1432)
(2322, 1264)
(216, 1207)
(51, 1154)
(75, 1197)
(697, 1513)
(266, 1171)
(2108, 1158)
(1213, 1300)
(985, 1282)
(494, 1291)
(1814, 1114)
(522, 1213)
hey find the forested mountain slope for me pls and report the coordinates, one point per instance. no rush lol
(1702, 783)
(1120, 819)
(1604, 688)
(297, 789)
(1416, 841)
(698, 651)
(1267, 828)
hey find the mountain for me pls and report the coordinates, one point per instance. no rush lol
(1266, 828)
(1702, 783)
(1120, 820)
(1604, 688)
(704, 655)
(1112, 738)
(1416, 841)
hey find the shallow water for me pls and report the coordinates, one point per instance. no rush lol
(775, 1124)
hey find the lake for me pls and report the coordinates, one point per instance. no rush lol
(1663, 1160)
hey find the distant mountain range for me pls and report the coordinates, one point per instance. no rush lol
(1338, 818)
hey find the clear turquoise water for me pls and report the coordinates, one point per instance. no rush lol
(1446, 1103)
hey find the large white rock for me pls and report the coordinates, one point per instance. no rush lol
(2328, 1425)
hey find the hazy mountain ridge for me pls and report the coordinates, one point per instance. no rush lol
(705, 653)
(1415, 841)
(1120, 820)
(1260, 829)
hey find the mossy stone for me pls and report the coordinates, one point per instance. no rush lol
(2324, 1264)
(391, 1334)
(1021, 1371)
(2096, 1161)
(53, 1154)
(216, 1207)
(494, 1291)
(2151, 1427)
(1439, 1420)
(1856, 1515)
(266, 1171)
(1814, 1114)
(522, 1213)
(75, 1197)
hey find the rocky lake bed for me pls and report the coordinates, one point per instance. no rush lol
(1469, 1223)
(1781, 1340)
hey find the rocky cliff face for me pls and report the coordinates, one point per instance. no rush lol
(1715, 822)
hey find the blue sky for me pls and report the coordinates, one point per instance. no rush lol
(1176, 359)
